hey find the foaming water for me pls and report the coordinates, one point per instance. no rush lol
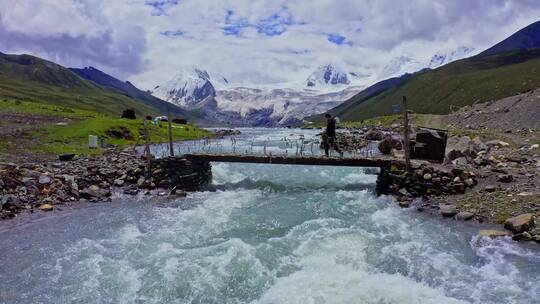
(261, 234)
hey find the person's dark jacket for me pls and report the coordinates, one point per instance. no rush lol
(331, 127)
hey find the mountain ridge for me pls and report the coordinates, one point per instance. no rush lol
(31, 78)
(128, 89)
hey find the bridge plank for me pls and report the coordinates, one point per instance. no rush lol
(292, 160)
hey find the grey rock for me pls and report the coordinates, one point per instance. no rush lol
(454, 154)
(461, 161)
(505, 178)
(448, 210)
(459, 187)
(464, 216)
(524, 236)
(374, 135)
(490, 188)
(404, 204)
(9, 202)
(44, 179)
(478, 145)
(93, 192)
(469, 182)
(520, 223)
(140, 181)
(404, 192)
(427, 176)
(119, 182)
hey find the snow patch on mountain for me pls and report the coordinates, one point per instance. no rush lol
(327, 75)
(399, 66)
(447, 56)
(283, 106)
(188, 88)
(326, 87)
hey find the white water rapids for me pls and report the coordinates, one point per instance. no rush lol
(261, 234)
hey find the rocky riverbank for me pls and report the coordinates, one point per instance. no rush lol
(44, 187)
(483, 178)
(488, 181)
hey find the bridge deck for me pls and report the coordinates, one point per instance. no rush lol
(294, 160)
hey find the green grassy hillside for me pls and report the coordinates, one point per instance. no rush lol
(29, 78)
(464, 82)
(29, 127)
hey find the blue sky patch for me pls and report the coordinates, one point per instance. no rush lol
(274, 25)
(172, 34)
(337, 39)
(161, 5)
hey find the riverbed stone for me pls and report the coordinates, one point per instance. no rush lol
(92, 192)
(524, 236)
(520, 223)
(46, 207)
(44, 179)
(464, 216)
(404, 203)
(448, 210)
(494, 233)
(118, 182)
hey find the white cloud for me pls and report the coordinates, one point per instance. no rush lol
(260, 42)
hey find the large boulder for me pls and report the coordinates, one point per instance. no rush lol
(374, 135)
(389, 143)
(520, 223)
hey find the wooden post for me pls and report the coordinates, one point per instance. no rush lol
(406, 139)
(171, 148)
(147, 151)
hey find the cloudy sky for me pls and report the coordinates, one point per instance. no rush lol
(251, 42)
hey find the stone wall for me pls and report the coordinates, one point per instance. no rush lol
(180, 173)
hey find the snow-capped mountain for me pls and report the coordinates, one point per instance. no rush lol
(189, 87)
(447, 56)
(327, 75)
(195, 88)
(399, 66)
(281, 106)
(326, 87)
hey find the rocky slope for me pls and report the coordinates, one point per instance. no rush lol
(512, 113)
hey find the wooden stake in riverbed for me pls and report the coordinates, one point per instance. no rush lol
(406, 139)
(147, 150)
(171, 149)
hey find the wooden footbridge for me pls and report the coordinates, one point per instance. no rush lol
(380, 162)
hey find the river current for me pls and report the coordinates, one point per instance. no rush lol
(261, 234)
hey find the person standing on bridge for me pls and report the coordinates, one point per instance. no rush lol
(330, 141)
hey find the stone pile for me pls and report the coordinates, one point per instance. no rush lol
(525, 227)
(92, 179)
(425, 181)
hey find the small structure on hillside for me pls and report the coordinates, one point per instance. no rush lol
(430, 144)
